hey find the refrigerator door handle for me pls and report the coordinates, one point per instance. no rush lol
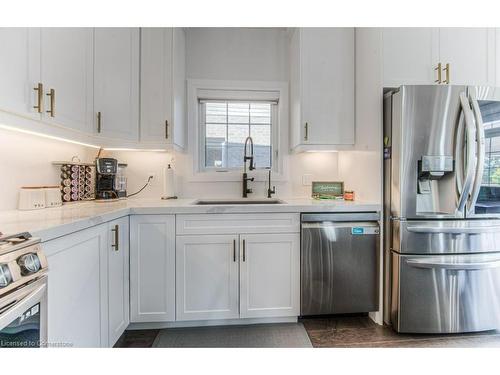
(469, 175)
(480, 155)
(456, 266)
(455, 230)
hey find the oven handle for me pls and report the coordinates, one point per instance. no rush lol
(417, 263)
(22, 300)
(455, 230)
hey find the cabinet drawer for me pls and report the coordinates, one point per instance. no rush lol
(237, 223)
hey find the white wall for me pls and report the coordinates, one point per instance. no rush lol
(253, 54)
(26, 160)
(258, 54)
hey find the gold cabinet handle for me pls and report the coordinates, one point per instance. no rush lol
(166, 129)
(99, 122)
(115, 230)
(306, 134)
(244, 250)
(438, 68)
(234, 250)
(39, 98)
(447, 70)
(52, 96)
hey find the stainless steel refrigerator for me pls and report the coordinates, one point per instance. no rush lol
(442, 208)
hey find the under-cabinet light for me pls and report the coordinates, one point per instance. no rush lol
(11, 128)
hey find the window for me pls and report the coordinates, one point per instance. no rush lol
(226, 124)
(491, 175)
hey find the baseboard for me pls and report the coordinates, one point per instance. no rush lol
(207, 323)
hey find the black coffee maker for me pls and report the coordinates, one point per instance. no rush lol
(106, 169)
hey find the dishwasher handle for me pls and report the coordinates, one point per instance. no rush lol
(351, 217)
(356, 228)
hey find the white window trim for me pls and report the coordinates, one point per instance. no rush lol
(196, 90)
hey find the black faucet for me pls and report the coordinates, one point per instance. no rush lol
(270, 191)
(245, 157)
(246, 190)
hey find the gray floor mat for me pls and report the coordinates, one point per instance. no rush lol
(284, 335)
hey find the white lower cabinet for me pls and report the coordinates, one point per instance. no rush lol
(152, 268)
(207, 277)
(118, 278)
(237, 276)
(269, 275)
(76, 288)
(88, 303)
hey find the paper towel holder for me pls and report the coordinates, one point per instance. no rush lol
(166, 191)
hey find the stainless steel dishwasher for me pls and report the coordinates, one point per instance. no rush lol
(339, 263)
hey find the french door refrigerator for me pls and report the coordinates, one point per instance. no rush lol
(442, 208)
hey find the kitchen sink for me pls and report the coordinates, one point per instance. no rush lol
(209, 202)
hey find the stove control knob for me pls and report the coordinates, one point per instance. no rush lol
(29, 263)
(5, 275)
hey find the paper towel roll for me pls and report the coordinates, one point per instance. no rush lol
(168, 182)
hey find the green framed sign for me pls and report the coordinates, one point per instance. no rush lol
(327, 190)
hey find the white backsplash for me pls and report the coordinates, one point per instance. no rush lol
(26, 160)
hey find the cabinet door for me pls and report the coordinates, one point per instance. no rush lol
(410, 55)
(77, 289)
(152, 268)
(269, 275)
(327, 86)
(207, 277)
(118, 278)
(470, 53)
(67, 68)
(19, 70)
(116, 82)
(156, 84)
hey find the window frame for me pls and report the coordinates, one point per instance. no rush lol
(274, 141)
(236, 90)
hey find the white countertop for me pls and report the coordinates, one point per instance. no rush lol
(51, 223)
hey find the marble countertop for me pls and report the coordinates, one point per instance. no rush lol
(51, 223)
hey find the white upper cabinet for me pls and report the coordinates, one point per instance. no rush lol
(322, 88)
(409, 55)
(470, 53)
(163, 86)
(20, 71)
(438, 56)
(116, 83)
(67, 76)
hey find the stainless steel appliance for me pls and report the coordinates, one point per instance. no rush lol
(441, 208)
(23, 292)
(339, 263)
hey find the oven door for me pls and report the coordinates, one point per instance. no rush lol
(484, 199)
(23, 316)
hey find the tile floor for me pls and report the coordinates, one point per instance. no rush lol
(362, 332)
(352, 332)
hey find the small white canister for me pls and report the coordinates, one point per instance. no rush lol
(52, 196)
(31, 198)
